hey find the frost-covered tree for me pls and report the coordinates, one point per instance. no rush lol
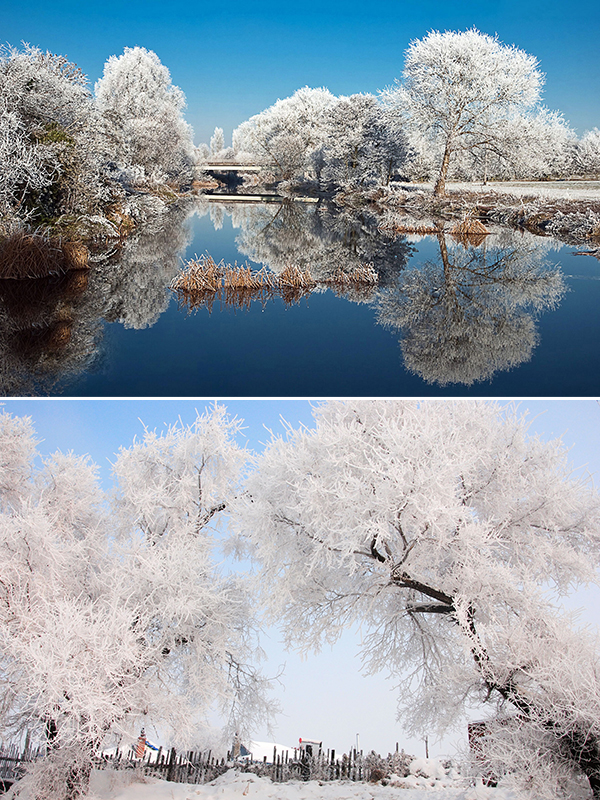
(587, 154)
(286, 135)
(22, 167)
(363, 145)
(201, 154)
(460, 88)
(112, 609)
(51, 146)
(526, 146)
(217, 142)
(142, 110)
(439, 527)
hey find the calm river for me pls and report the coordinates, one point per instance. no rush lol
(510, 315)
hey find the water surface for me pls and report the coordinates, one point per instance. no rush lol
(509, 315)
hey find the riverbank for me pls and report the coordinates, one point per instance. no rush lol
(73, 241)
(572, 217)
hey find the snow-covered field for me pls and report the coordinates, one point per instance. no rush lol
(552, 190)
(235, 785)
(428, 780)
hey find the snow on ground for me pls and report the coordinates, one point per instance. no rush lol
(550, 190)
(235, 785)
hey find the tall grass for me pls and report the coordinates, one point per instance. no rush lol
(31, 255)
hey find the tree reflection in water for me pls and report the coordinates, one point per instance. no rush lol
(51, 328)
(461, 317)
(322, 240)
(472, 312)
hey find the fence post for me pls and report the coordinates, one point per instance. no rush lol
(172, 764)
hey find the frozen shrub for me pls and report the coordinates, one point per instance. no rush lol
(577, 225)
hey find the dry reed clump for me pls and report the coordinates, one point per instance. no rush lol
(30, 255)
(243, 278)
(295, 278)
(470, 232)
(38, 340)
(357, 285)
(76, 255)
(199, 275)
(34, 301)
(422, 230)
(469, 227)
(202, 281)
(364, 274)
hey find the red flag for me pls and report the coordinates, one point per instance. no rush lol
(141, 745)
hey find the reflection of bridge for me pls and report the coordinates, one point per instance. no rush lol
(256, 198)
(231, 173)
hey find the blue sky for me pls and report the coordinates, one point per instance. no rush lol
(311, 689)
(233, 59)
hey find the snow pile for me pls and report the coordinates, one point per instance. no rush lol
(261, 749)
(549, 190)
(427, 773)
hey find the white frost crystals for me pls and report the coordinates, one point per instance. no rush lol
(438, 526)
(113, 613)
(462, 91)
(143, 113)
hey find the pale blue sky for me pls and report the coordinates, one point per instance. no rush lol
(233, 59)
(315, 693)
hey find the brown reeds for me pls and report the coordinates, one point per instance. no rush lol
(469, 227)
(37, 340)
(358, 284)
(34, 301)
(244, 279)
(76, 255)
(364, 275)
(202, 281)
(421, 230)
(292, 277)
(30, 255)
(469, 232)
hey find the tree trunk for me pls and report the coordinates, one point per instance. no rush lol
(577, 745)
(78, 780)
(440, 186)
(583, 749)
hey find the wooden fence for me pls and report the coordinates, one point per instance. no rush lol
(203, 767)
(199, 767)
(188, 767)
(12, 761)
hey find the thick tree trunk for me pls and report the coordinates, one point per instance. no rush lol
(440, 186)
(584, 750)
(78, 781)
(577, 745)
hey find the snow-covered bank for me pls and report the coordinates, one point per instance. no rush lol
(567, 211)
(234, 785)
(555, 190)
